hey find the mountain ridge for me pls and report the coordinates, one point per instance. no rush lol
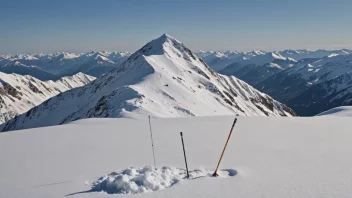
(164, 79)
(20, 93)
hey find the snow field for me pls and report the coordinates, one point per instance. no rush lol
(274, 157)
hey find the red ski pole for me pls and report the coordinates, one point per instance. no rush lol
(215, 174)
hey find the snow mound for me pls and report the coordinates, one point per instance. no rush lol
(343, 111)
(148, 179)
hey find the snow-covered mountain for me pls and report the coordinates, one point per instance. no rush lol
(164, 79)
(20, 93)
(312, 85)
(54, 66)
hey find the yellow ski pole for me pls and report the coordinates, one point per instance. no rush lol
(215, 174)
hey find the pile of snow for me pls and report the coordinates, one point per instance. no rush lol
(343, 111)
(145, 179)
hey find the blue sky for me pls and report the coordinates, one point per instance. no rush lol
(84, 25)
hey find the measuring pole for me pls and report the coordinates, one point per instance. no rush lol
(151, 137)
(184, 153)
(215, 174)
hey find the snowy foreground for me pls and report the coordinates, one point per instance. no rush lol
(266, 157)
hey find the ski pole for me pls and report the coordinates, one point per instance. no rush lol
(223, 151)
(151, 137)
(184, 153)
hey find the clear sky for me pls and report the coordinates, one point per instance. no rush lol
(30, 26)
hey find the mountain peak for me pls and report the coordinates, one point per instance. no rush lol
(166, 45)
(165, 35)
(165, 38)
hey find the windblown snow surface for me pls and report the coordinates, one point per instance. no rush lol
(344, 111)
(270, 156)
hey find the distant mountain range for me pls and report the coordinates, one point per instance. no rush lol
(55, 66)
(219, 60)
(164, 78)
(308, 81)
(313, 85)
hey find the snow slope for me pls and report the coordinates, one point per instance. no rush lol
(164, 79)
(20, 93)
(273, 156)
(344, 111)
